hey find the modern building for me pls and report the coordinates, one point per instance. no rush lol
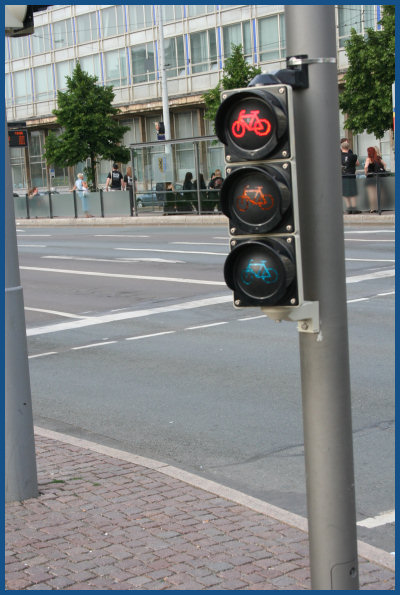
(120, 44)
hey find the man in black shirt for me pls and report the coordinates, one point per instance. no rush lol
(115, 180)
(349, 182)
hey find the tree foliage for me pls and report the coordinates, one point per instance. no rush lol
(237, 73)
(85, 115)
(367, 95)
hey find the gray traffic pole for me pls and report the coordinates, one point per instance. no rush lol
(324, 357)
(20, 460)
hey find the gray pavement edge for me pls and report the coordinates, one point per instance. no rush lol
(364, 218)
(365, 550)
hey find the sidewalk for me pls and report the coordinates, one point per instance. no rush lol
(109, 520)
(387, 218)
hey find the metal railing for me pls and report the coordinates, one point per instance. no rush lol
(377, 196)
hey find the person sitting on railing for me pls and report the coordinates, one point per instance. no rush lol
(374, 165)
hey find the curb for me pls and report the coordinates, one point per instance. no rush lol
(369, 552)
(363, 219)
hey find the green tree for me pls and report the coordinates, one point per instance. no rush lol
(85, 115)
(367, 94)
(237, 73)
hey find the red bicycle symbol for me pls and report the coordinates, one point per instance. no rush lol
(263, 201)
(252, 123)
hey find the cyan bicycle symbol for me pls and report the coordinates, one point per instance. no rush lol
(259, 270)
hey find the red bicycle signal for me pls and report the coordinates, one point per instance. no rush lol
(252, 123)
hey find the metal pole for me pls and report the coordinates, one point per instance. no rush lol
(164, 87)
(324, 358)
(20, 460)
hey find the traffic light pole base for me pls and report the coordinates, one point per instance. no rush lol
(306, 315)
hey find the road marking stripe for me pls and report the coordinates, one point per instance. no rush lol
(125, 276)
(377, 521)
(370, 240)
(252, 318)
(369, 276)
(55, 312)
(371, 231)
(53, 328)
(93, 345)
(123, 260)
(149, 336)
(194, 328)
(200, 244)
(31, 246)
(43, 354)
(172, 251)
(121, 236)
(365, 259)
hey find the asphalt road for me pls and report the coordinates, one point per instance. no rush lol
(133, 342)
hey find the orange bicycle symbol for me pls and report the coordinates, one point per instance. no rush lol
(263, 201)
(252, 123)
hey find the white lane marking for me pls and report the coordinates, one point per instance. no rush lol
(63, 326)
(195, 328)
(31, 246)
(370, 240)
(148, 336)
(124, 276)
(36, 235)
(93, 345)
(371, 231)
(172, 251)
(111, 235)
(55, 312)
(123, 260)
(42, 354)
(385, 293)
(377, 521)
(369, 276)
(252, 318)
(358, 300)
(199, 244)
(365, 259)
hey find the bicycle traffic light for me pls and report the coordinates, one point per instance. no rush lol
(259, 196)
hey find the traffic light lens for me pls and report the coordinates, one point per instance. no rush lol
(255, 199)
(251, 123)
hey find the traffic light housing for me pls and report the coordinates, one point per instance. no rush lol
(260, 198)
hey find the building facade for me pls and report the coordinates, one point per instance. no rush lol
(120, 44)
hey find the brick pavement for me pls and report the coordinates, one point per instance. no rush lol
(105, 522)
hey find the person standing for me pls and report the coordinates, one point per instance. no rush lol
(129, 179)
(349, 182)
(374, 165)
(115, 180)
(82, 188)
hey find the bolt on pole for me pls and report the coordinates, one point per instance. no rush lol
(324, 357)
(20, 461)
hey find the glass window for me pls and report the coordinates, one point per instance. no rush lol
(203, 49)
(143, 63)
(115, 68)
(355, 17)
(35, 144)
(19, 47)
(196, 10)
(22, 87)
(186, 124)
(174, 56)
(91, 65)
(40, 40)
(270, 38)
(140, 16)
(8, 88)
(239, 34)
(43, 82)
(171, 12)
(63, 69)
(113, 20)
(87, 28)
(62, 34)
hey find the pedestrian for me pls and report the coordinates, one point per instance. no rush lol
(129, 179)
(374, 166)
(83, 191)
(349, 182)
(203, 192)
(214, 187)
(33, 192)
(188, 195)
(346, 140)
(115, 180)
